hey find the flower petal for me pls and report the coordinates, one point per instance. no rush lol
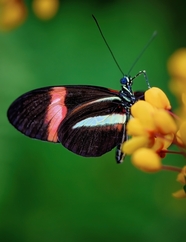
(158, 144)
(182, 176)
(183, 97)
(134, 127)
(182, 132)
(177, 86)
(45, 9)
(177, 63)
(162, 143)
(134, 143)
(164, 122)
(144, 112)
(178, 139)
(157, 98)
(12, 14)
(179, 194)
(146, 160)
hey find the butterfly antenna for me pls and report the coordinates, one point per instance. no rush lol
(107, 44)
(144, 49)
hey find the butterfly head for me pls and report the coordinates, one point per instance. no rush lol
(126, 81)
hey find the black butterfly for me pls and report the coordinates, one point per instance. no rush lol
(87, 120)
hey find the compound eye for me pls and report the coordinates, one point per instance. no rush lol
(124, 80)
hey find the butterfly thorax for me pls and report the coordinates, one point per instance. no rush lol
(126, 94)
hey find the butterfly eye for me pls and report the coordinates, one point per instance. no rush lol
(124, 80)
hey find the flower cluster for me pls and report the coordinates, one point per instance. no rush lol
(151, 135)
(177, 84)
(154, 127)
(14, 12)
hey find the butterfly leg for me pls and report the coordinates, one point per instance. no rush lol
(145, 76)
(119, 154)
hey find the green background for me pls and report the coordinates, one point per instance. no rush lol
(48, 193)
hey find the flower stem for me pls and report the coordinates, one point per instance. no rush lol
(174, 152)
(174, 115)
(171, 168)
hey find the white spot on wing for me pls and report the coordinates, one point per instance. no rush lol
(101, 121)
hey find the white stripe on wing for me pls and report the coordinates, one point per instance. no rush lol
(103, 120)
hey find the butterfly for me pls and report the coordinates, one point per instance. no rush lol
(87, 120)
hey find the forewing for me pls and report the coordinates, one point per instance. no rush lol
(28, 113)
(39, 113)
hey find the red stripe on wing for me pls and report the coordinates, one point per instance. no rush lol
(56, 112)
(113, 91)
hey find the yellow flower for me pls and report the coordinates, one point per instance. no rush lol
(153, 130)
(182, 179)
(144, 112)
(157, 98)
(176, 67)
(177, 70)
(177, 63)
(152, 125)
(179, 194)
(135, 143)
(182, 132)
(146, 160)
(45, 9)
(164, 123)
(182, 176)
(13, 13)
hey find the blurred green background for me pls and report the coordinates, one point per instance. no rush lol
(48, 193)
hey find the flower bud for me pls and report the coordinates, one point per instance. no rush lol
(157, 98)
(134, 143)
(146, 160)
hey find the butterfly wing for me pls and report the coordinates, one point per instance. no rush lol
(93, 128)
(28, 113)
(87, 120)
(48, 113)
(96, 126)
